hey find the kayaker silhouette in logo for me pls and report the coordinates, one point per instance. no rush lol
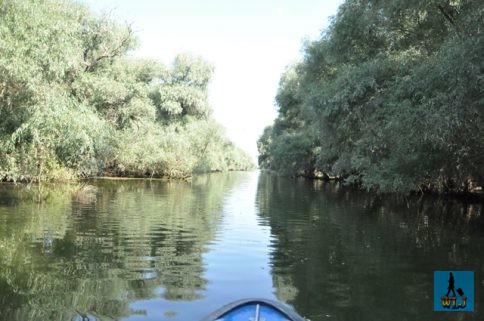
(451, 285)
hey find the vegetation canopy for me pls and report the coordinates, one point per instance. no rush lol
(390, 97)
(73, 103)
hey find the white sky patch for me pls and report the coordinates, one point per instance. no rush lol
(247, 43)
(280, 12)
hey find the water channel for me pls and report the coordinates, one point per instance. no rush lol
(134, 249)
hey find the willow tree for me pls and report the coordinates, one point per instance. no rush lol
(74, 103)
(394, 95)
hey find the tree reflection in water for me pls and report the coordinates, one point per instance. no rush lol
(137, 249)
(88, 251)
(340, 254)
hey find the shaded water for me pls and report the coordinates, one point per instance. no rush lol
(157, 250)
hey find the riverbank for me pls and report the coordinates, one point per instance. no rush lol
(474, 195)
(116, 176)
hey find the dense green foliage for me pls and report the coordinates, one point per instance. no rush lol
(391, 97)
(74, 103)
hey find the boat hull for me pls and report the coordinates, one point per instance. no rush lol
(254, 310)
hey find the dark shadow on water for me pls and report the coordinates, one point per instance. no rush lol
(340, 254)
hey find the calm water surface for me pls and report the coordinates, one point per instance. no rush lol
(172, 250)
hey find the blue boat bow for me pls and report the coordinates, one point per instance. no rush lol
(254, 310)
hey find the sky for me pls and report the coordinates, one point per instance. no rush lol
(250, 43)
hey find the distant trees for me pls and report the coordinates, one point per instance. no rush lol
(73, 103)
(391, 97)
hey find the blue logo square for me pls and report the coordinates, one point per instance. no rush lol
(454, 291)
